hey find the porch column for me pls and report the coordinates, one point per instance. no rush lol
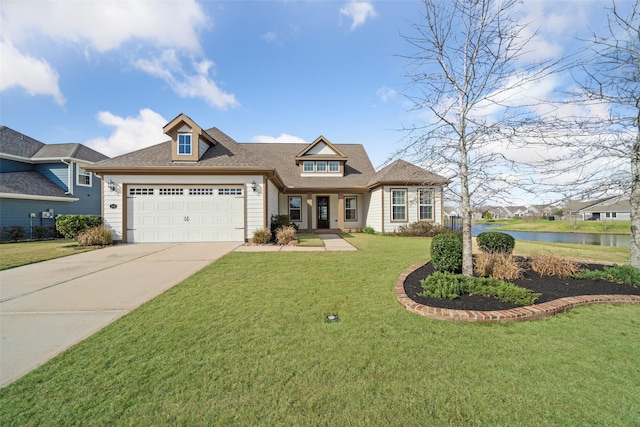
(341, 211)
(309, 211)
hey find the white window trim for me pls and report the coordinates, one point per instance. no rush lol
(405, 219)
(298, 209)
(354, 209)
(420, 204)
(333, 163)
(310, 163)
(190, 144)
(85, 174)
(326, 166)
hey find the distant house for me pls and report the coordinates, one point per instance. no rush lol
(616, 208)
(39, 181)
(575, 209)
(201, 185)
(450, 212)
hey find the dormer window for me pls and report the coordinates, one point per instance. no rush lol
(334, 166)
(321, 166)
(308, 166)
(184, 144)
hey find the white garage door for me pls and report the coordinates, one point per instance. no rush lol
(176, 213)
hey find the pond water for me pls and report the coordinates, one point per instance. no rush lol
(575, 238)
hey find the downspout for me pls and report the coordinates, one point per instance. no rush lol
(69, 177)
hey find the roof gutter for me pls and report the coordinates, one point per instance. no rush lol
(36, 197)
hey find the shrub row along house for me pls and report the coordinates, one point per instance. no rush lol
(201, 185)
(39, 181)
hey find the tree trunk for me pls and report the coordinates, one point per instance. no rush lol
(634, 258)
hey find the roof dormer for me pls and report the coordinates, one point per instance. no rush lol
(188, 141)
(322, 159)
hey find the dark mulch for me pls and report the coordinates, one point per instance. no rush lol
(551, 288)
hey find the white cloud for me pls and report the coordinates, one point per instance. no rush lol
(270, 37)
(358, 12)
(106, 25)
(168, 67)
(34, 75)
(130, 134)
(385, 94)
(282, 139)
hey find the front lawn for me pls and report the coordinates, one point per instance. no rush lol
(310, 240)
(23, 253)
(245, 342)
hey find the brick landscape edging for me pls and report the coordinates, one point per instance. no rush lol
(518, 314)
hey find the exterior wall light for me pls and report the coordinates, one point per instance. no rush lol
(254, 186)
(112, 185)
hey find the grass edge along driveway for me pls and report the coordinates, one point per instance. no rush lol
(244, 342)
(23, 253)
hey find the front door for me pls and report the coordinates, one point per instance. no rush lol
(323, 211)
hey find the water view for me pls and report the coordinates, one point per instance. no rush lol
(575, 238)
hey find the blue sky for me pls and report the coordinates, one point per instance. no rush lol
(110, 74)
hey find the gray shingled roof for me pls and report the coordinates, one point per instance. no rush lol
(404, 172)
(359, 172)
(29, 183)
(18, 144)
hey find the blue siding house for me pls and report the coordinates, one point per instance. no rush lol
(40, 181)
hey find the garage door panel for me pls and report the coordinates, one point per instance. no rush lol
(177, 214)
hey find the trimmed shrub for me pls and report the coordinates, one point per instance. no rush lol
(15, 233)
(280, 221)
(422, 229)
(552, 265)
(40, 232)
(446, 252)
(494, 241)
(624, 274)
(496, 265)
(451, 286)
(70, 226)
(368, 230)
(261, 236)
(95, 236)
(286, 236)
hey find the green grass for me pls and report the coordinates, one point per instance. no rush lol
(23, 253)
(604, 254)
(249, 346)
(598, 227)
(310, 240)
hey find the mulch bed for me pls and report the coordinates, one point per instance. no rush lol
(551, 288)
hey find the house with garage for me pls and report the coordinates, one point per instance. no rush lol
(39, 181)
(201, 185)
(616, 208)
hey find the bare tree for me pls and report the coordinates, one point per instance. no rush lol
(468, 72)
(613, 78)
(599, 144)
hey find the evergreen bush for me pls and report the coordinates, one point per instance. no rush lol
(496, 242)
(70, 226)
(446, 252)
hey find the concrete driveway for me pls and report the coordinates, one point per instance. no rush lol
(47, 307)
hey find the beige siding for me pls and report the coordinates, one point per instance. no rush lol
(272, 202)
(374, 211)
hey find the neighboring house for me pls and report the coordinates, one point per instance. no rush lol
(204, 186)
(516, 211)
(541, 211)
(450, 212)
(39, 181)
(575, 209)
(616, 208)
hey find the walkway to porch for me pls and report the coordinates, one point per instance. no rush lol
(332, 242)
